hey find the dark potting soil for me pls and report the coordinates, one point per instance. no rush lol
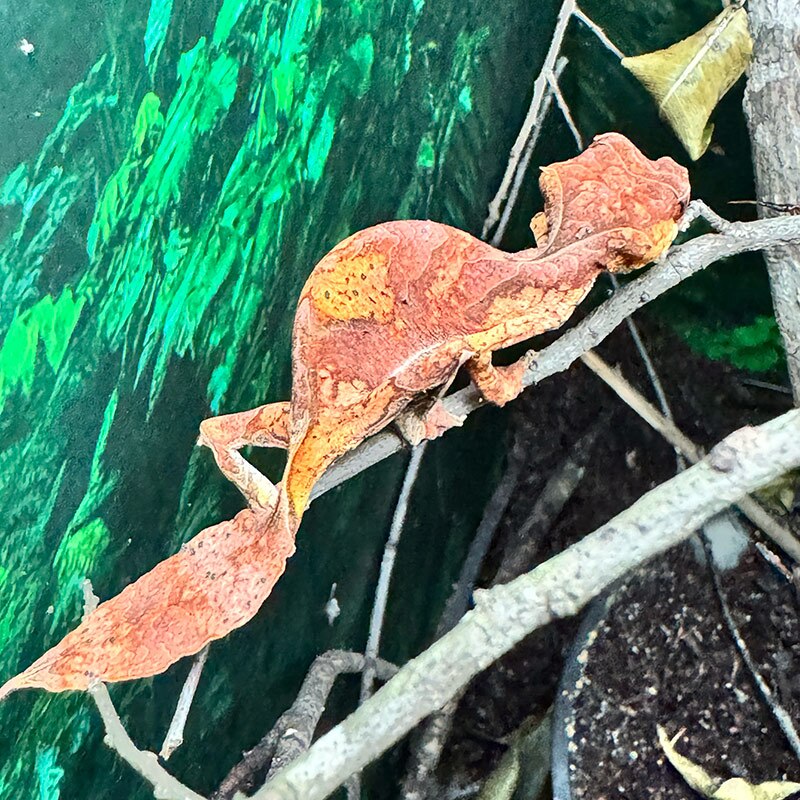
(664, 655)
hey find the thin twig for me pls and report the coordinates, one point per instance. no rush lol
(427, 747)
(771, 387)
(742, 462)
(524, 163)
(300, 721)
(520, 549)
(458, 602)
(174, 738)
(564, 109)
(352, 787)
(292, 733)
(429, 743)
(681, 262)
(387, 567)
(644, 354)
(698, 209)
(667, 428)
(578, 13)
(165, 786)
(779, 713)
(530, 123)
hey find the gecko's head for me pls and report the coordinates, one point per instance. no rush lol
(614, 190)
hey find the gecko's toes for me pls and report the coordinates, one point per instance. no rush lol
(411, 429)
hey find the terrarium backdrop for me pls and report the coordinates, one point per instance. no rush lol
(170, 173)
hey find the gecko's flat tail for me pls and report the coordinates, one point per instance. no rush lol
(214, 584)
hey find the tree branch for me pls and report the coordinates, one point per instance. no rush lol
(748, 506)
(771, 107)
(386, 570)
(741, 463)
(533, 117)
(174, 738)
(165, 786)
(291, 734)
(680, 263)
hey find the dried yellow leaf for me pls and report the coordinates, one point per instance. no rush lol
(732, 789)
(688, 79)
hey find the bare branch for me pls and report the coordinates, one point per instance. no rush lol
(632, 398)
(520, 549)
(521, 168)
(650, 368)
(165, 786)
(174, 738)
(387, 567)
(667, 428)
(564, 109)
(681, 263)
(528, 126)
(779, 713)
(770, 104)
(431, 737)
(292, 733)
(598, 32)
(742, 462)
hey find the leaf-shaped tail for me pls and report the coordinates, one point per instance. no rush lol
(216, 583)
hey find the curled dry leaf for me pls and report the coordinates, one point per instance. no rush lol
(688, 79)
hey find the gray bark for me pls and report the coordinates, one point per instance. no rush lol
(772, 106)
(744, 461)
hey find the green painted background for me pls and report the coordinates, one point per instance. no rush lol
(170, 173)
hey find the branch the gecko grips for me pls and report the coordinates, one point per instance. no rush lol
(388, 315)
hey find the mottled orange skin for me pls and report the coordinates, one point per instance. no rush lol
(390, 313)
(395, 309)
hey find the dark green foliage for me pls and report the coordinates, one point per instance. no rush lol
(756, 347)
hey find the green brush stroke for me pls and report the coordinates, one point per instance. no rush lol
(153, 250)
(48, 323)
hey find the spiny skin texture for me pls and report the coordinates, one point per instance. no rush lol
(390, 313)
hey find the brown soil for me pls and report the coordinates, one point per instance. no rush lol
(664, 654)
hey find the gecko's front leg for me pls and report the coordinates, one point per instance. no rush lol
(265, 426)
(498, 385)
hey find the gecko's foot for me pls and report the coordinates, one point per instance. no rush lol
(416, 427)
(257, 489)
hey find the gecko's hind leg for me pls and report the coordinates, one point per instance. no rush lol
(498, 385)
(265, 426)
(416, 426)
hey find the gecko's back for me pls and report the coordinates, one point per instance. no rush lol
(396, 294)
(395, 309)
